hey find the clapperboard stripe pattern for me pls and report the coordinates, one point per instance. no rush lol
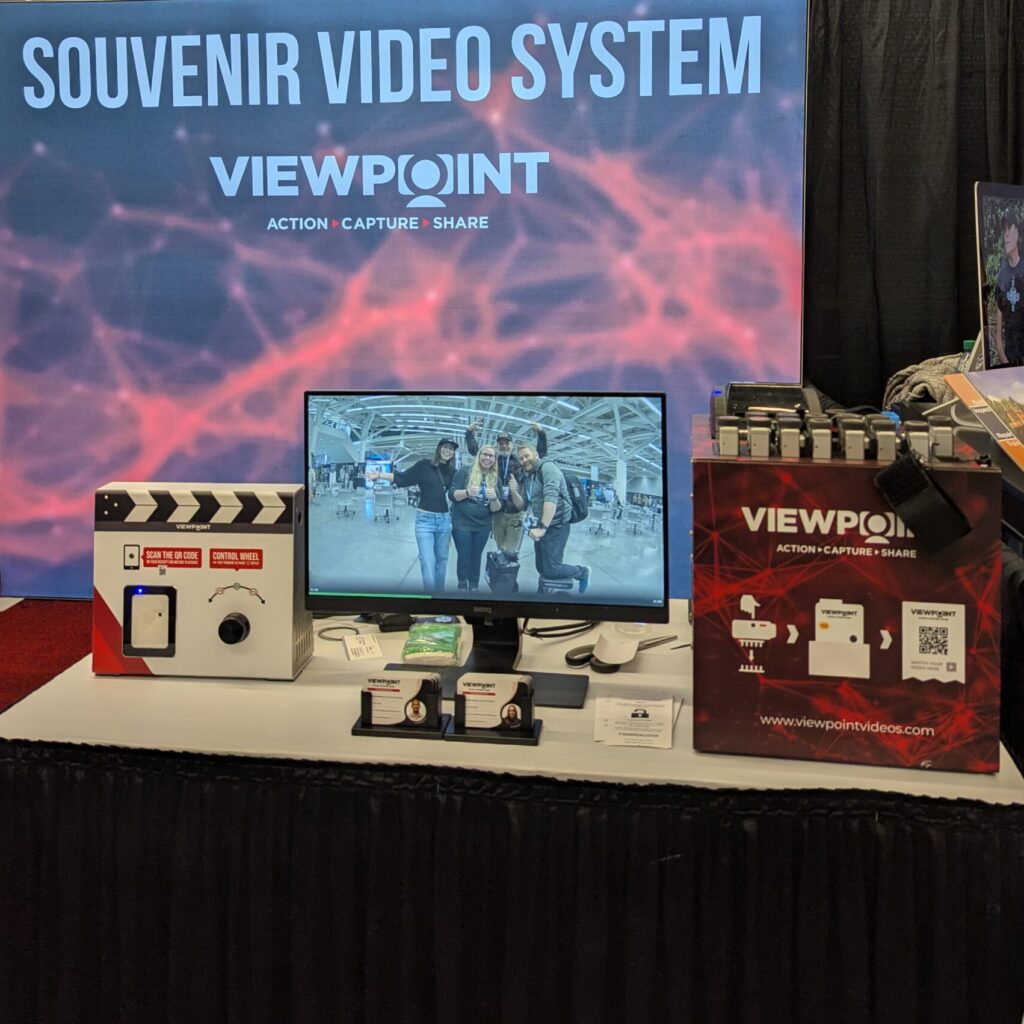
(221, 507)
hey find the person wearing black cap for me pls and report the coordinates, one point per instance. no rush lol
(433, 476)
(1009, 294)
(507, 525)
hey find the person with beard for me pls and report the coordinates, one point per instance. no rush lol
(544, 496)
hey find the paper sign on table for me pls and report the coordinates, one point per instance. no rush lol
(634, 722)
(363, 646)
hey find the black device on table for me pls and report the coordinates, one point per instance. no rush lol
(363, 564)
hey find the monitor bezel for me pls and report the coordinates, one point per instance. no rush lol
(450, 603)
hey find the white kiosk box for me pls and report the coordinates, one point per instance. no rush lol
(200, 580)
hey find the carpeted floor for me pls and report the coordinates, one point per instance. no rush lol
(38, 640)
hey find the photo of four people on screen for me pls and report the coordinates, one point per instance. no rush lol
(557, 496)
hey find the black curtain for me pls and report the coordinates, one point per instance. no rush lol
(909, 103)
(148, 887)
(1012, 652)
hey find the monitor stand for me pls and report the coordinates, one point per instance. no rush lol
(497, 645)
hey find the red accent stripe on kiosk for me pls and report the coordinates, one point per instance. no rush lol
(107, 659)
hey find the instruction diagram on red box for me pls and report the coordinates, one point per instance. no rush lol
(933, 640)
(752, 634)
(838, 647)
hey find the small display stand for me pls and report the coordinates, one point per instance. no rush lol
(495, 708)
(404, 705)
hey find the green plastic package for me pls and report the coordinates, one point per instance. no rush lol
(433, 643)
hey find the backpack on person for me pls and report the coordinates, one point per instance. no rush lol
(577, 497)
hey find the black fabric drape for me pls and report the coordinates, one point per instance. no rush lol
(1012, 653)
(909, 103)
(139, 886)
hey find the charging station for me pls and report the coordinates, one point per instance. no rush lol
(200, 580)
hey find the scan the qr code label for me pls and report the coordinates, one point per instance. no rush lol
(933, 641)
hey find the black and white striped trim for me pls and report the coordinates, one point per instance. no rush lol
(212, 507)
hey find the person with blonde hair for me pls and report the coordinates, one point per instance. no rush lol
(475, 497)
(507, 525)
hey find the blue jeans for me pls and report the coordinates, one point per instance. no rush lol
(433, 533)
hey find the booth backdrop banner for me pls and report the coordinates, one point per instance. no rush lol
(206, 208)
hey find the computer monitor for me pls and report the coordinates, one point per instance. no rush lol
(481, 486)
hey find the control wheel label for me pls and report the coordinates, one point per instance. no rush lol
(236, 558)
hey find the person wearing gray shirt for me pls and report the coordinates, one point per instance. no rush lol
(545, 495)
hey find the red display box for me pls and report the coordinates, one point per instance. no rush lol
(823, 631)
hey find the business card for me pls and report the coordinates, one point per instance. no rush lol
(400, 698)
(496, 701)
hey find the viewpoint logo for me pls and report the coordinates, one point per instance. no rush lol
(426, 180)
(940, 615)
(875, 527)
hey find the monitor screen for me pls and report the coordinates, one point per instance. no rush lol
(495, 505)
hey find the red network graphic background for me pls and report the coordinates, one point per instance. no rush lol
(142, 341)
